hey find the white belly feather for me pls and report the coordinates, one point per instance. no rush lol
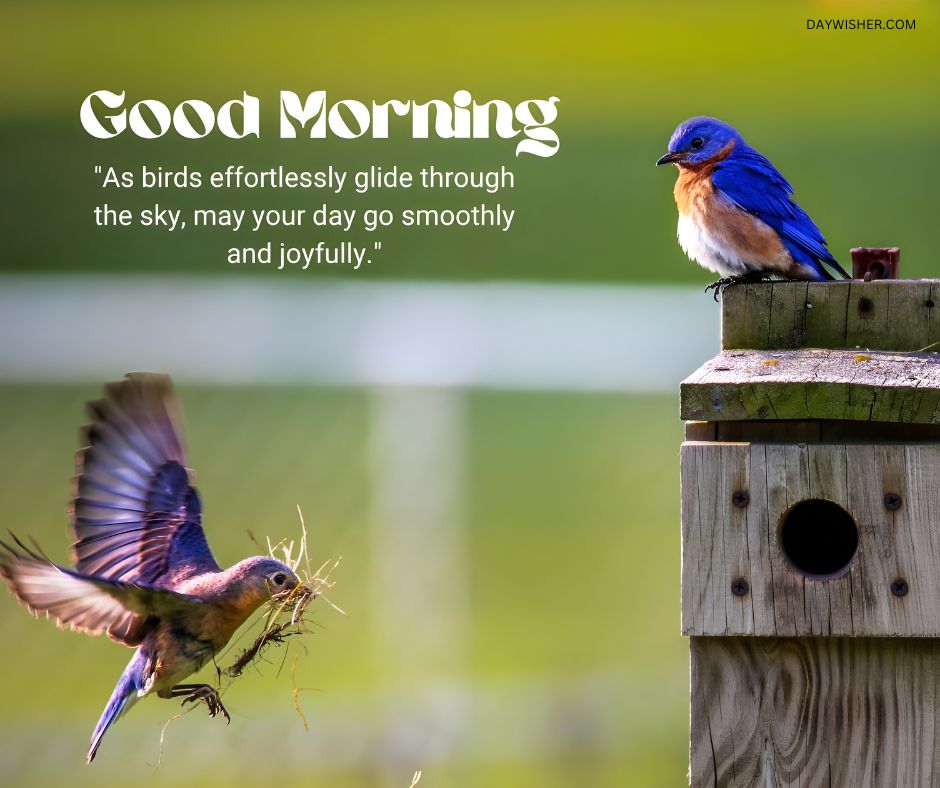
(709, 250)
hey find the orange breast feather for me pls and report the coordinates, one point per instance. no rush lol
(743, 235)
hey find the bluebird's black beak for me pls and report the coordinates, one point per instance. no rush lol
(670, 158)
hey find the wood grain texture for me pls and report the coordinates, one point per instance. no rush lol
(814, 384)
(815, 712)
(722, 542)
(898, 315)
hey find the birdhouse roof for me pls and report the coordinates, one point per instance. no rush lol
(859, 351)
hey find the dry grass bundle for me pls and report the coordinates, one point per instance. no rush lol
(284, 614)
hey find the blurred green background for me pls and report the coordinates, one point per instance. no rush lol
(568, 668)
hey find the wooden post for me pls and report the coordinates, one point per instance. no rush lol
(811, 537)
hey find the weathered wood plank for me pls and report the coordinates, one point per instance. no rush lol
(873, 386)
(814, 712)
(723, 543)
(898, 315)
(933, 322)
(721, 530)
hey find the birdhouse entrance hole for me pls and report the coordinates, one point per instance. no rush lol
(819, 538)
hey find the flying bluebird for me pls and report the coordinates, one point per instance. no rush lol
(737, 216)
(143, 571)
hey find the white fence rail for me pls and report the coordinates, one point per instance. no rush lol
(228, 330)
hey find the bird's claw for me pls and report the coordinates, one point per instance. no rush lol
(719, 287)
(211, 696)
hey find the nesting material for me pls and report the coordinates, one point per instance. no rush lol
(284, 614)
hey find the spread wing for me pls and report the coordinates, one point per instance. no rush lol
(135, 516)
(751, 182)
(84, 603)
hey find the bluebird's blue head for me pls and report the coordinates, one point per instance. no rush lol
(255, 580)
(699, 140)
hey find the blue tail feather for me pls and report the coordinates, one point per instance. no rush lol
(123, 697)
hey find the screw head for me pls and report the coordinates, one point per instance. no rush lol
(740, 498)
(899, 587)
(739, 587)
(892, 501)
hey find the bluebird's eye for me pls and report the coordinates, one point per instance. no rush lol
(696, 143)
(279, 579)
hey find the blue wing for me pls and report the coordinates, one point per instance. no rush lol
(86, 603)
(135, 516)
(750, 181)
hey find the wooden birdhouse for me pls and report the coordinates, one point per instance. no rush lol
(811, 537)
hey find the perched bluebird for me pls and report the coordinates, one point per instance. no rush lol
(736, 213)
(143, 571)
